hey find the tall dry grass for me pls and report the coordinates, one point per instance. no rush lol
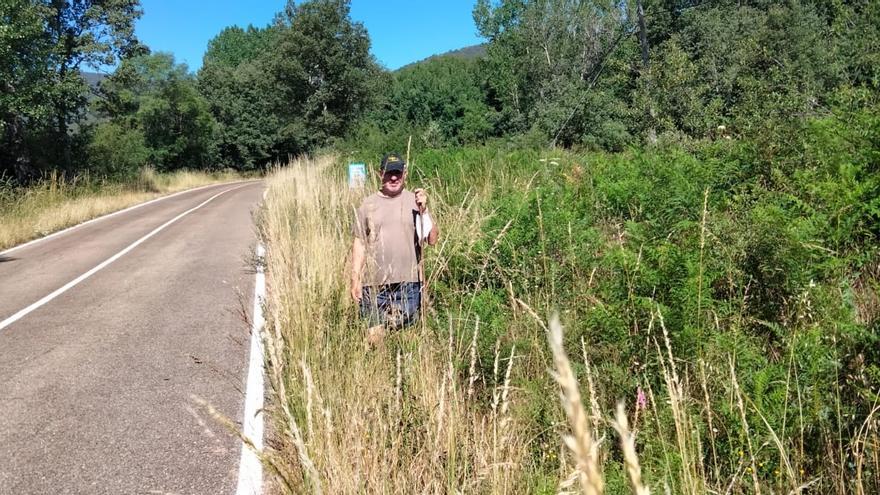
(57, 203)
(403, 419)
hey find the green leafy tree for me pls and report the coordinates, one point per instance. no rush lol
(858, 25)
(44, 44)
(25, 84)
(323, 67)
(153, 97)
(757, 68)
(547, 56)
(234, 45)
(778, 60)
(235, 81)
(90, 33)
(446, 91)
(117, 150)
(121, 92)
(178, 126)
(673, 97)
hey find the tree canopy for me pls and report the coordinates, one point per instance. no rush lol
(596, 75)
(45, 46)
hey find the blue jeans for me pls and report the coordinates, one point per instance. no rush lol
(393, 305)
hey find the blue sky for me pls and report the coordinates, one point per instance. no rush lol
(401, 31)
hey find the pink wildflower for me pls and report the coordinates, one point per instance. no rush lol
(641, 400)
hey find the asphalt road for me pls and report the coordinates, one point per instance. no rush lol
(97, 385)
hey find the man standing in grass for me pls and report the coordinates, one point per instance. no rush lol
(390, 229)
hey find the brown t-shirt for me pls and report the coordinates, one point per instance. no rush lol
(387, 227)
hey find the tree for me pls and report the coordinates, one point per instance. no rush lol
(673, 97)
(448, 92)
(547, 56)
(323, 67)
(117, 150)
(24, 81)
(241, 95)
(178, 127)
(749, 65)
(858, 25)
(43, 46)
(234, 45)
(153, 97)
(93, 33)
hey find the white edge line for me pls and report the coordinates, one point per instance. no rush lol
(250, 470)
(57, 292)
(112, 214)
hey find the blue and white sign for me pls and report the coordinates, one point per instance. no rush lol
(357, 175)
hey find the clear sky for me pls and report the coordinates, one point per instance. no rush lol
(401, 31)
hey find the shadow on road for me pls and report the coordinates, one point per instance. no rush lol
(4, 259)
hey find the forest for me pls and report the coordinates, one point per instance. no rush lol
(603, 75)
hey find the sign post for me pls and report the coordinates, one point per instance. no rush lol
(357, 175)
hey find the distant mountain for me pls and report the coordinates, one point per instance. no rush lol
(468, 52)
(90, 116)
(93, 78)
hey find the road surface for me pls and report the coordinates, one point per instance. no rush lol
(97, 384)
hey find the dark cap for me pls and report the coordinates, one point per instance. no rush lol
(392, 162)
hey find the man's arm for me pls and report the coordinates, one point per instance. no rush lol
(357, 268)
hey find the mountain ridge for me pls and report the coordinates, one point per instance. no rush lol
(467, 52)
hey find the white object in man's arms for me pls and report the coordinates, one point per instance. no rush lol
(424, 220)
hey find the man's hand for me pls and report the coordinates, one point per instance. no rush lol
(356, 291)
(421, 199)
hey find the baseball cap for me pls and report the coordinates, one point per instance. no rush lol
(392, 162)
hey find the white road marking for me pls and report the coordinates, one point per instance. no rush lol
(24, 312)
(250, 470)
(68, 229)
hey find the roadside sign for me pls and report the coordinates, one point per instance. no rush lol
(357, 175)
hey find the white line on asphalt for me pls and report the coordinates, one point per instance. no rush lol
(250, 470)
(68, 229)
(17, 316)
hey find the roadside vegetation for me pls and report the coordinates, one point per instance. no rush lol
(692, 187)
(728, 301)
(56, 203)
